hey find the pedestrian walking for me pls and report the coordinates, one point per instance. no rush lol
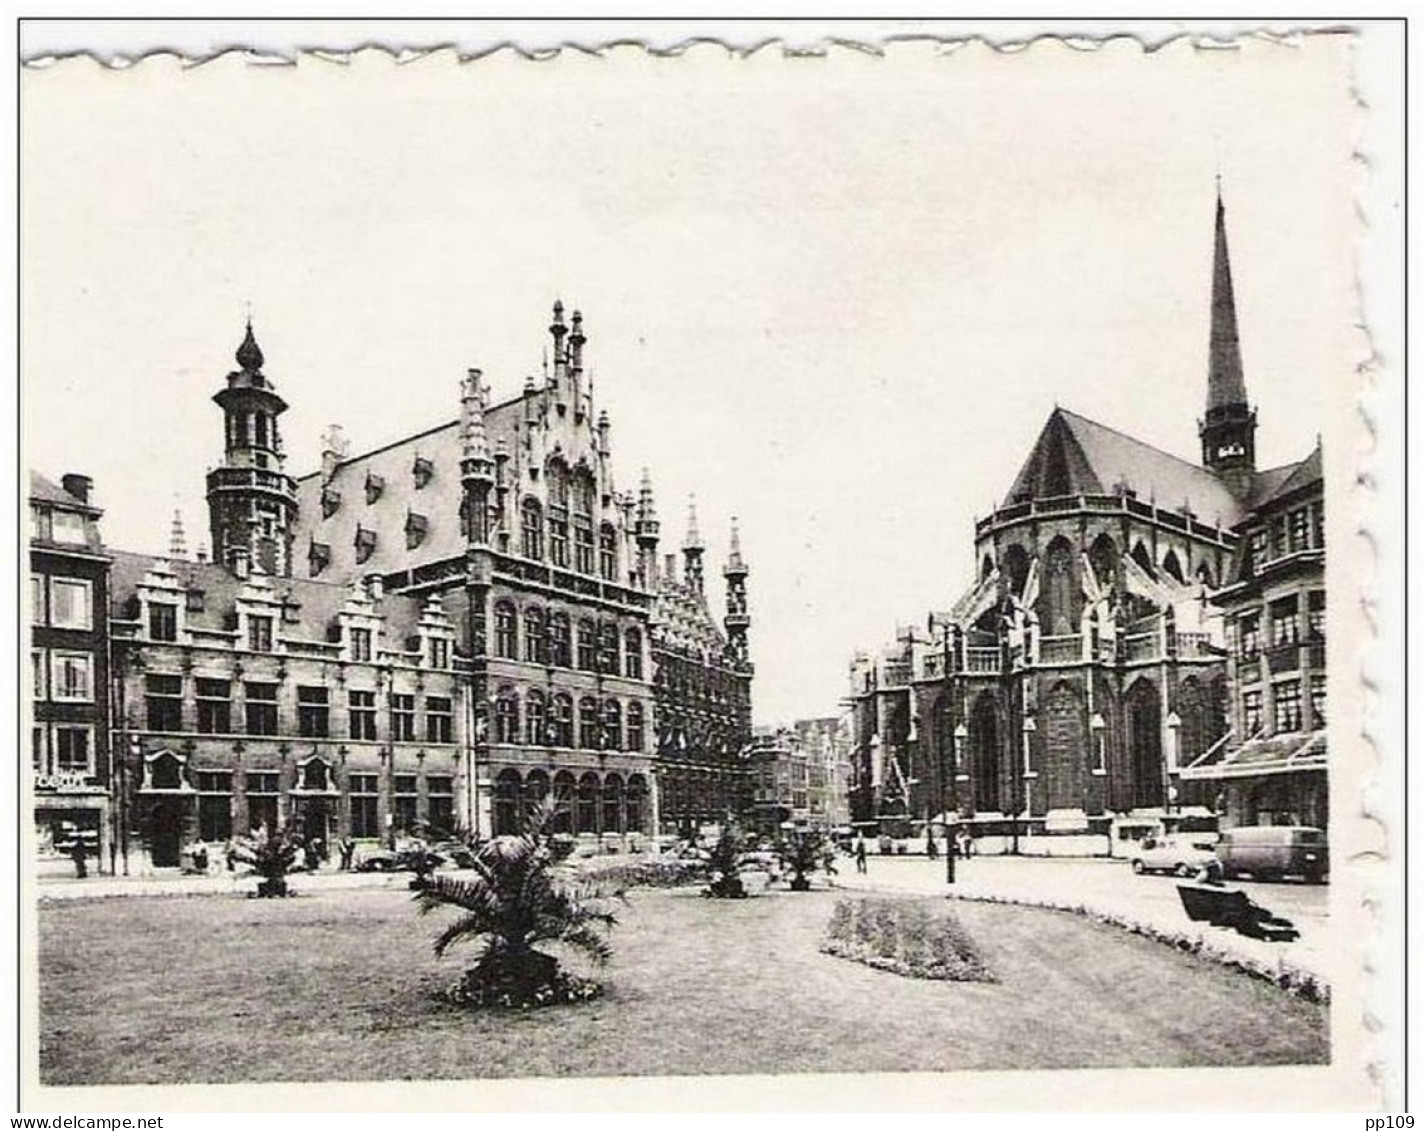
(76, 852)
(861, 855)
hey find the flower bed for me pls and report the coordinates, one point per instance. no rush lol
(901, 936)
(1287, 976)
(643, 872)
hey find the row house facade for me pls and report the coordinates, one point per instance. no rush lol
(69, 659)
(246, 702)
(1086, 669)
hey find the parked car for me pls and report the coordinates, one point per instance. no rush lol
(1182, 854)
(1269, 852)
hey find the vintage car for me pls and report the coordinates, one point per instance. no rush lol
(1269, 852)
(1181, 854)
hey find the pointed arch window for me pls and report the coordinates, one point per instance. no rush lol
(561, 721)
(608, 553)
(532, 530)
(608, 649)
(588, 724)
(535, 733)
(613, 725)
(1172, 567)
(507, 716)
(587, 647)
(535, 643)
(559, 640)
(633, 654)
(505, 630)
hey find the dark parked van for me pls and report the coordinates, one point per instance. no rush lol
(1269, 852)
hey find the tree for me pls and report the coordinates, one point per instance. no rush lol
(271, 855)
(722, 863)
(516, 899)
(802, 852)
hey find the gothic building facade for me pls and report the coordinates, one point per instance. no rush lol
(441, 631)
(1086, 668)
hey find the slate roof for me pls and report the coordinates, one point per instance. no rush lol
(1298, 476)
(1078, 456)
(44, 490)
(681, 619)
(318, 602)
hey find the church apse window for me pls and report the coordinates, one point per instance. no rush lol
(1172, 567)
(1016, 567)
(1060, 589)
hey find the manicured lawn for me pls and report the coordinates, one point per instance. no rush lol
(340, 986)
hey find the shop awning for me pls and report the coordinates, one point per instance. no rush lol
(1280, 754)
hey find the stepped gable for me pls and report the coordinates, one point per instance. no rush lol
(1077, 456)
(318, 602)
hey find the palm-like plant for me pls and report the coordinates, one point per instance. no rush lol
(516, 899)
(802, 852)
(723, 861)
(271, 855)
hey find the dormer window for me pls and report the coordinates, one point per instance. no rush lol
(423, 470)
(416, 527)
(331, 501)
(319, 556)
(259, 634)
(162, 621)
(375, 484)
(365, 543)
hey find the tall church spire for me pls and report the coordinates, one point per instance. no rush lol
(1225, 385)
(1228, 430)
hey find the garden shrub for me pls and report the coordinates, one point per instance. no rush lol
(647, 872)
(902, 936)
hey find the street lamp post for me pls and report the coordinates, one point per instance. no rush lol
(1021, 793)
(957, 742)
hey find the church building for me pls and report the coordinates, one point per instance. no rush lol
(1083, 685)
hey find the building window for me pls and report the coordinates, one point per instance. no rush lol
(507, 717)
(259, 634)
(1299, 530)
(1249, 630)
(1285, 626)
(1316, 615)
(1286, 697)
(561, 721)
(534, 718)
(40, 666)
(363, 792)
(1318, 698)
(74, 750)
(71, 603)
(559, 640)
(588, 724)
(39, 755)
(215, 805)
(162, 621)
(1318, 525)
(403, 718)
(440, 802)
(312, 712)
(163, 696)
(583, 545)
(505, 630)
(37, 599)
(262, 801)
(214, 707)
(439, 653)
(72, 676)
(67, 527)
(261, 708)
(608, 649)
(608, 553)
(635, 726)
(440, 719)
(534, 650)
(587, 646)
(559, 542)
(1260, 544)
(613, 725)
(361, 645)
(404, 809)
(1279, 536)
(532, 531)
(361, 715)
(633, 654)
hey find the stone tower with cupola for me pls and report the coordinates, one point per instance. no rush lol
(252, 501)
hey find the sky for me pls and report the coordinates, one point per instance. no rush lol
(835, 297)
